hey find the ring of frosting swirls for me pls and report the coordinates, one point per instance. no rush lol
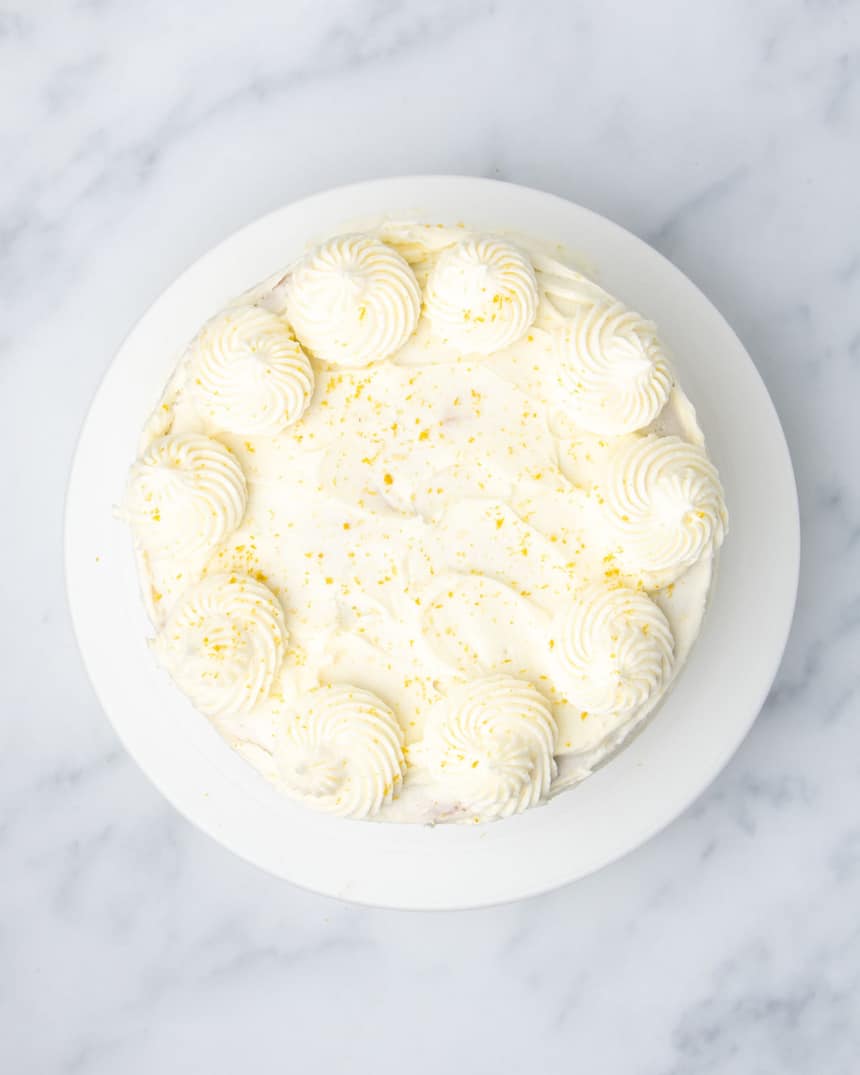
(248, 373)
(612, 649)
(341, 751)
(185, 495)
(493, 740)
(223, 643)
(482, 295)
(612, 368)
(664, 502)
(353, 300)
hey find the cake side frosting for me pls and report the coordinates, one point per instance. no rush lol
(450, 522)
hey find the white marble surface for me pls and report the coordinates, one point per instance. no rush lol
(133, 136)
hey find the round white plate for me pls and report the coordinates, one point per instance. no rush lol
(701, 723)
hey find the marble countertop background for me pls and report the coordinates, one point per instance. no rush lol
(134, 136)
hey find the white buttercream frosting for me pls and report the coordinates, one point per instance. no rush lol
(498, 580)
(664, 502)
(353, 300)
(493, 740)
(613, 368)
(185, 495)
(248, 373)
(341, 751)
(223, 643)
(482, 295)
(613, 650)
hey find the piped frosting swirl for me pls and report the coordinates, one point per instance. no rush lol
(352, 301)
(248, 373)
(223, 643)
(185, 495)
(482, 295)
(341, 751)
(664, 502)
(493, 740)
(612, 649)
(612, 368)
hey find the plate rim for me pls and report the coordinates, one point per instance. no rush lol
(368, 896)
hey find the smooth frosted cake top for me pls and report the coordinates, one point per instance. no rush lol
(425, 525)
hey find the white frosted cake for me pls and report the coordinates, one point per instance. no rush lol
(425, 525)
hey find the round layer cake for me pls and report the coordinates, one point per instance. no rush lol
(425, 524)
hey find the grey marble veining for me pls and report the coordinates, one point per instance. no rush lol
(134, 136)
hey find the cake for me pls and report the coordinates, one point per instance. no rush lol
(425, 524)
